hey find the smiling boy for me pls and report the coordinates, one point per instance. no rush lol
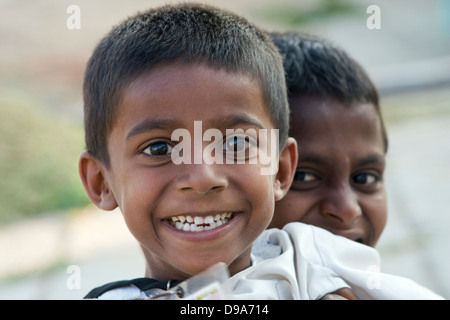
(153, 192)
(336, 119)
(163, 71)
(150, 77)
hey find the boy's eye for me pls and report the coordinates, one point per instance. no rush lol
(158, 148)
(240, 147)
(236, 144)
(365, 178)
(304, 180)
(239, 143)
(304, 176)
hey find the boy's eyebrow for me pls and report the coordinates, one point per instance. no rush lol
(313, 158)
(324, 160)
(373, 158)
(231, 121)
(152, 124)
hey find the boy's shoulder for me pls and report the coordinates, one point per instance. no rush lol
(311, 242)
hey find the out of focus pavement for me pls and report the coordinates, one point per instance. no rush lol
(64, 256)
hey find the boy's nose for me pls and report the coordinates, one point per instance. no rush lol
(201, 178)
(341, 206)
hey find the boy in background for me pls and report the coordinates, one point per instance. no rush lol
(337, 122)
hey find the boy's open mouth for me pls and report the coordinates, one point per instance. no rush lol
(197, 223)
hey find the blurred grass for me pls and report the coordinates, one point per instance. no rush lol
(38, 159)
(298, 14)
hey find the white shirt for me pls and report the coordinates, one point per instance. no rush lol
(306, 262)
(303, 262)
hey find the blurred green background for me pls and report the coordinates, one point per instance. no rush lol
(38, 156)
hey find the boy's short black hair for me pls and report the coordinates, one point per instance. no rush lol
(316, 67)
(184, 32)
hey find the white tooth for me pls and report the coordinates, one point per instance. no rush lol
(196, 224)
(208, 220)
(198, 220)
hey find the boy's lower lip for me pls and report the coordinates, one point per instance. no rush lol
(206, 233)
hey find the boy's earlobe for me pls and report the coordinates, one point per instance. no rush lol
(286, 169)
(92, 177)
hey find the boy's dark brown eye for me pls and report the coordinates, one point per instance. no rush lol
(237, 143)
(299, 175)
(365, 178)
(304, 176)
(158, 149)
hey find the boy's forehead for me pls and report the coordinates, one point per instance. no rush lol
(166, 75)
(327, 118)
(309, 107)
(193, 88)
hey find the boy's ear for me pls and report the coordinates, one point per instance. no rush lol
(94, 182)
(286, 168)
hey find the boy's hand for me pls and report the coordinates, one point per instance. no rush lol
(341, 294)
